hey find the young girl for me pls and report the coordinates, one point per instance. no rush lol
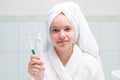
(71, 52)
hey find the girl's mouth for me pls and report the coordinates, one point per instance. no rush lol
(62, 42)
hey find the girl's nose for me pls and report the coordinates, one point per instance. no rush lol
(62, 34)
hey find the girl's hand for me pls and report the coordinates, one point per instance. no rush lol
(35, 67)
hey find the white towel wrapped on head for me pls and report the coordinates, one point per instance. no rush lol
(83, 35)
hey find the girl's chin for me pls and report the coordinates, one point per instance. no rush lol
(62, 47)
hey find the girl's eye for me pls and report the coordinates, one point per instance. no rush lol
(55, 30)
(67, 29)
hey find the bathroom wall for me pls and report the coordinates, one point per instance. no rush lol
(21, 17)
(38, 7)
(15, 50)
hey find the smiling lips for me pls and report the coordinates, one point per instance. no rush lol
(62, 41)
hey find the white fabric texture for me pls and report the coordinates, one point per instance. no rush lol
(81, 66)
(83, 35)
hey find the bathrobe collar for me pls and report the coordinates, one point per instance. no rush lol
(65, 72)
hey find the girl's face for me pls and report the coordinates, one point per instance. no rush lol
(62, 33)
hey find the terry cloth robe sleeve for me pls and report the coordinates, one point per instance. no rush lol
(94, 67)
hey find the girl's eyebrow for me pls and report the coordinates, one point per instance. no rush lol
(66, 26)
(55, 27)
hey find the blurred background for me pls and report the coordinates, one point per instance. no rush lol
(21, 17)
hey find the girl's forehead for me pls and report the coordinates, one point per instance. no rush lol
(61, 20)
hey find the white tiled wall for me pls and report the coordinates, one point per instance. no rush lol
(108, 36)
(9, 66)
(8, 37)
(15, 51)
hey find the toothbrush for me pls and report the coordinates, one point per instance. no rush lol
(31, 46)
(38, 45)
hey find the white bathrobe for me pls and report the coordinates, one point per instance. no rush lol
(81, 66)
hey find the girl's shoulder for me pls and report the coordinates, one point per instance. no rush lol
(91, 62)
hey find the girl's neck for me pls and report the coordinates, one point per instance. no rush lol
(64, 55)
